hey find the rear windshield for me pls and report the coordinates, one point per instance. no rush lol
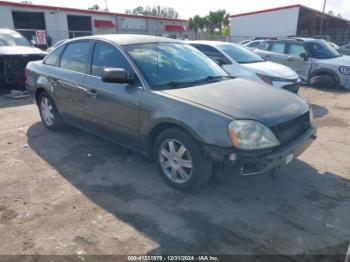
(322, 50)
(13, 39)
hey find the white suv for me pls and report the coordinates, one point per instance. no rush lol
(239, 61)
(315, 60)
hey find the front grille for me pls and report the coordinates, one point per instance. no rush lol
(288, 131)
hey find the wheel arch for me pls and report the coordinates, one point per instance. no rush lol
(160, 127)
(324, 71)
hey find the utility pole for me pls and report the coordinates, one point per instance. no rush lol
(321, 24)
(106, 5)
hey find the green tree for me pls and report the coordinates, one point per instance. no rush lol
(95, 8)
(215, 21)
(159, 11)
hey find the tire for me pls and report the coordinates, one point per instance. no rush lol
(49, 113)
(326, 80)
(175, 149)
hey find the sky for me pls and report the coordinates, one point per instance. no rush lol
(188, 8)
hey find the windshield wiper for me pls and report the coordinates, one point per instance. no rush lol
(176, 83)
(211, 78)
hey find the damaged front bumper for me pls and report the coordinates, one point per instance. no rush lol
(259, 162)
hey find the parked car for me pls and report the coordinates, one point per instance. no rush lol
(345, 49)
(165, 99)
(252, 45)
(334, 45)
(315, 60)
(51, 48)
(245, 42)
(15, 52)
(239, 61)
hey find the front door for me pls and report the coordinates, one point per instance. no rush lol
(296, 62)
(112, 109)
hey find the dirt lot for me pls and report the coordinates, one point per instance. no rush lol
(74, 193)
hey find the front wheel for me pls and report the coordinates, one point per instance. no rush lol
(48, 112)
(180, 160)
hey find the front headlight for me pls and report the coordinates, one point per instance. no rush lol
(265, 78)
(345, 70)
(251, 135)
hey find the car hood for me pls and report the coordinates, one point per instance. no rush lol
(20, 50)
(272, 69)
(343, 60)
(245, 99)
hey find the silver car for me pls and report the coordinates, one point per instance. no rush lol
(316, 61)
(239, 61)
(345, 49)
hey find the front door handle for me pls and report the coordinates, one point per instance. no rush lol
(92, 93)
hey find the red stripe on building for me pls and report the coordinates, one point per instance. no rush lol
(175, 28)
(103, 24)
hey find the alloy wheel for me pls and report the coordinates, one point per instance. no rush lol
(175, 161)
(46, 109)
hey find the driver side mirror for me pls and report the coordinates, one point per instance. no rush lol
(117, 75)
(304, 56)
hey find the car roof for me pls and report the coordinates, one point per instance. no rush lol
(296, 39)
(8, 31)
(129, 39)
(208, 42)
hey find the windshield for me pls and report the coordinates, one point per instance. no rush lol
(170, 65)
(322, 50)
(240, 54)
(13, 39)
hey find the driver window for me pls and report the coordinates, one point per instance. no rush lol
(105, 56)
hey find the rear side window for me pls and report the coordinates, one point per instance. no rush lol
(76, 57)
(278, 47)
(53, 58)
(106, 55)
(296, 49)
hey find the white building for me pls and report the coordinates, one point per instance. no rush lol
(292, 20)
(62, 22)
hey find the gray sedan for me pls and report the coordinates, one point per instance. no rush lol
(170, 102)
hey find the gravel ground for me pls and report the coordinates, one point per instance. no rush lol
(74, 193)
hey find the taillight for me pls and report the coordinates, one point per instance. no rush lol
(25, 76)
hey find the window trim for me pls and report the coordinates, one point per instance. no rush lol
(58, 58)
(89, 55)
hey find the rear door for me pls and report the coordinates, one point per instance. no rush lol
(277, 52)
(112, 109)
(69, 79)
(297, 63)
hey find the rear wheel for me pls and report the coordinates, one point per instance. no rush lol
(180, 160)
(48, 112)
